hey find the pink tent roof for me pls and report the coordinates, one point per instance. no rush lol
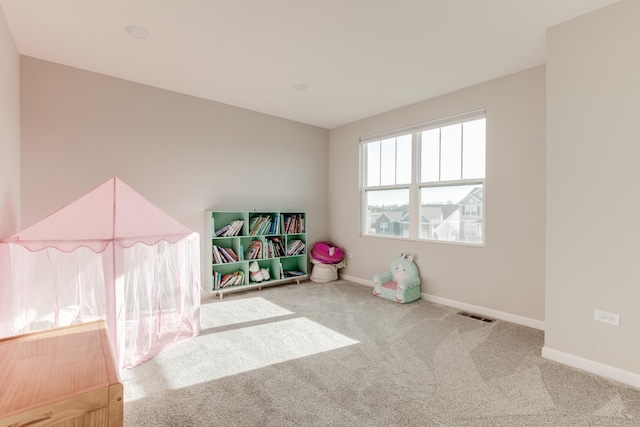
(111, 212)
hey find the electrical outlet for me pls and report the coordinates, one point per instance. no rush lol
(606, 317)
(349, 255)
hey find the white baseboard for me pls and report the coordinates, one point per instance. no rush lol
(496, 314)
(597, 368)
(513, 318)
(357, 280)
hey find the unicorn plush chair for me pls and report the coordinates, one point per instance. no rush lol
(401, 283)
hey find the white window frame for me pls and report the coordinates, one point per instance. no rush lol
(415, 186)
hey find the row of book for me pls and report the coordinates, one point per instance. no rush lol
(295, 247)
(237, 278)
(272, 248)
(230, 230)
(223, 255)
(293, 224)
(224, 280)
(275, 248)
(263, 224)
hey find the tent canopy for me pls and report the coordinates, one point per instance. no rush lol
(112, 211)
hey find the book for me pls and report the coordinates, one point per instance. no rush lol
(235, 228)
(295, 247)
(250, 253)
(224, 279)
(274, 225)
(293, 224)
(226, 257)
(254, 221)
(232, 254)
(293, 273)
(222, 230)
(266, 225)
(258, 226)
(233, 280)
(257, 246)
(217, 258)
(276, 248)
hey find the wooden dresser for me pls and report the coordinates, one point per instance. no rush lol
(60, 377)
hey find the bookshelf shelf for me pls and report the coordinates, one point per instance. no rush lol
(276, 240)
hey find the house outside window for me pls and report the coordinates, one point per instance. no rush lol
(426, 182)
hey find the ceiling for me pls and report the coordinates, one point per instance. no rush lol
(357, 57)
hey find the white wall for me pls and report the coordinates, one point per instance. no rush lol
(9, 132)
(593, 242)
(507, 275)
(182, 153)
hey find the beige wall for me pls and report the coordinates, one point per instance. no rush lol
(9, 132)
(183, 154)
(507, 275)
(593, 243)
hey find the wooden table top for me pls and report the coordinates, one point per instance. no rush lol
(44, 367)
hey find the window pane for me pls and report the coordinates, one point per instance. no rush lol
(430, 161)
(452, 213)
(388, 161)
(387, 212)
(403, 161)
(373, 163)
(473, 154)
(451, 152)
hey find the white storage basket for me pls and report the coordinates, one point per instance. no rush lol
(322, 273)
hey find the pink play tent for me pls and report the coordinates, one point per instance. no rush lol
(109, 255)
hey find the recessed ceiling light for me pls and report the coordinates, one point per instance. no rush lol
(300, 87)
(138, 32)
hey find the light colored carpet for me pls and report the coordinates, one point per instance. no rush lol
(334, 355)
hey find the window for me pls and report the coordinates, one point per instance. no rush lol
(426, 182)
(470, 210)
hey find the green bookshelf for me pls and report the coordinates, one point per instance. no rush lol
(277, 241)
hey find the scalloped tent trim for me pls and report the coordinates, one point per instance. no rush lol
(111, 212)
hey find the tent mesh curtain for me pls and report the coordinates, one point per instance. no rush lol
(160, 306)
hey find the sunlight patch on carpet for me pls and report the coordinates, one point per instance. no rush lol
(227, 313)
(222, 354)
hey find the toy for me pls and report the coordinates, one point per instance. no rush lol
(258, 274)
(401, 283)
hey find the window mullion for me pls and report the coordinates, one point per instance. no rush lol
(395, 160)
(439, 154)
(461, 151)
(416, 152)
